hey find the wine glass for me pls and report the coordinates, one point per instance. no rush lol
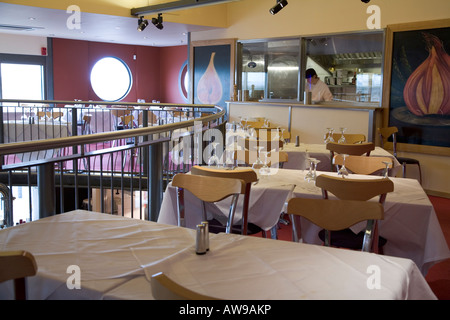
(282, 139)
(266, 123)
(265, 170)
(214, 159)
(386, 170)
(342, 138)
(343, 170)
(310, 175)
(329, 135)
(315, 163)
(258, 163)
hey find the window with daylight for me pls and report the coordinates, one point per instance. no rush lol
(111, 79)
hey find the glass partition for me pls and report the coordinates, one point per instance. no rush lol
(350, 64)
(270, 69)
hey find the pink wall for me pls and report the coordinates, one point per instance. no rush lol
(155, 70)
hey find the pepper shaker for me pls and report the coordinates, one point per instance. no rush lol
(200, 245)
(205, 223)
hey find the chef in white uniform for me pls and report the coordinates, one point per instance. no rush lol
(319, 90)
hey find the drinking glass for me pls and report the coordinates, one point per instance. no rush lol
(315, 163)
(258, 163)
(386, 170)
(343, 170)
(214, 159)
(328, 136)
(342, 138)
(310, 175)
(265, 170)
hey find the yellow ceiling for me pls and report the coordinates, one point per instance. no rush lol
(215, 16)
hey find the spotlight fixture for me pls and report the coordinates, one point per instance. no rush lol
(365, 1)
(158, 21)
(280, 5)
(142, 24)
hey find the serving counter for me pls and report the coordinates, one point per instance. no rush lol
(310, 122)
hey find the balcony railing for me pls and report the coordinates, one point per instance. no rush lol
(58, 156)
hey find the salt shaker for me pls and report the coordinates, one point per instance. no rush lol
(205, 223)
(200, 245)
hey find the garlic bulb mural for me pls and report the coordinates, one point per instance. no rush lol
(427, 90)
(209, 88)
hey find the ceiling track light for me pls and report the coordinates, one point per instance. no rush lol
(142, 24)
(158, 21)
(280, 5)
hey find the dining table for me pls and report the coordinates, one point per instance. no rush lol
(35, 129)
(410, 223)
(299, 155)
(88, 255)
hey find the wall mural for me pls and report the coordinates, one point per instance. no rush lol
(419, 101)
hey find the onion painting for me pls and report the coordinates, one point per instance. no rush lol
(427, 89)
(209, 88)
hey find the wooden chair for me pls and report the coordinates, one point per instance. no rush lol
(356, 149)
(355, 189)
(338, 215)
(391, 132)
(268, 145)
(363, 164)
(17, 265)
(207, 189)
(164, 288)
(350, 138)
(249, 157)
(249, 177)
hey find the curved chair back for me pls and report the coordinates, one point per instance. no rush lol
(336, 215)
(17, 265)
(164, 288)
(354, 189)
(357, 149)
(207, 189)
(350, 138)
(268, 145)
(363, 164)
(249, 157)
(248, 175)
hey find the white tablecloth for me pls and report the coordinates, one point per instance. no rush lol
(116, 257)
(21, 130)
(410, 225)
(298, 156)
(266, 204)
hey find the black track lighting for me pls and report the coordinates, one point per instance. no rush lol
(365, 1)
(158, 21)
(280, 5)
(142, 24)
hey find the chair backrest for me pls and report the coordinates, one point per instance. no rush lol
(248, 175)
(386, 133)
(251, 144)
(351, 138)
(363, 164)
(249, 157)
(354, 189)
(335, 215)
(17, 265)
(207, 189)
(357, 149)
(164, 288)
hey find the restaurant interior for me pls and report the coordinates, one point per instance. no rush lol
(181, 150)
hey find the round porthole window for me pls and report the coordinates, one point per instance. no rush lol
(111, 79)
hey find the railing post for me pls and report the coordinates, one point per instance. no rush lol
(46, 190)
(155, 180)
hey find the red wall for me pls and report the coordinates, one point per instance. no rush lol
(172, 60)
(155, 70)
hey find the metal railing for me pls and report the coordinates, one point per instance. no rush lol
(58, 156)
